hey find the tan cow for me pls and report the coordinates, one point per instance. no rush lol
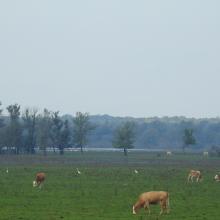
(40, 177)
(153, 197)
(194, 174)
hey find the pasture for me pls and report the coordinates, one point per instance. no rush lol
(107, 187)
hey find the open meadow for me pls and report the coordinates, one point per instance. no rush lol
(107, 187)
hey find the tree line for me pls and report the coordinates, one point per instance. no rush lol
(28, 130)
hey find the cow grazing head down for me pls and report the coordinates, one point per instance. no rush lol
(39, 179)
(152, 197)
(34, 183)
(194, 174)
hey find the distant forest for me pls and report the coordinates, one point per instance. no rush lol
(30, 129)
(158, 133)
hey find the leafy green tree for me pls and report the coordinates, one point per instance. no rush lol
(14, 130)
(29, 122)
(188, 138)
(81, 129)
(124, 137)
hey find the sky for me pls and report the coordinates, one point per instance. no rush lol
(119, 57)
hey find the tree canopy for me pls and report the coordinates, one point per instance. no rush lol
(81, 129)
(188, 138)
(124, 136)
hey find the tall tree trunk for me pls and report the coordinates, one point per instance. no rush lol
(184, 148)
(54, 149)
(61, 150)
(17, 150)
(125, 151)
(45, 151)
(32, 150)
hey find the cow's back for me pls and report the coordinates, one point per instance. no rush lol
(154, 197)
(40, 177)
(195, 172)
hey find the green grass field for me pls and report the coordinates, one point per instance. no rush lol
(107, 187)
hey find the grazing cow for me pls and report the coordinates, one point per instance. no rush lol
(206, 153)
(40, 177)
(153, 197)
(217, 178)
(195, 174)
(169, 153)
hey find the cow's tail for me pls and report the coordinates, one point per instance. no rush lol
(168, 203)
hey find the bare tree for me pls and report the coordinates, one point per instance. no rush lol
(44, 126)
(30, 120)
(14, 128)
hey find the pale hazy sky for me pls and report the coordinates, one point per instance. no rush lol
(119, 57)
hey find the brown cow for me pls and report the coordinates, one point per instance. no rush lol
(153, 197)
(195, 173)
(40, 177)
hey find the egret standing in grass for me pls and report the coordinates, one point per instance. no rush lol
(77, 171)
(135, 171)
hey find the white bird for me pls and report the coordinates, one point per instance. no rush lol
(77, 171)
(7, 170)
(135, 171)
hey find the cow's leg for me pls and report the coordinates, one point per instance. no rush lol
(162, 207)
(147, 207)
(40, 185)
(167, 205)
(189, 177)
